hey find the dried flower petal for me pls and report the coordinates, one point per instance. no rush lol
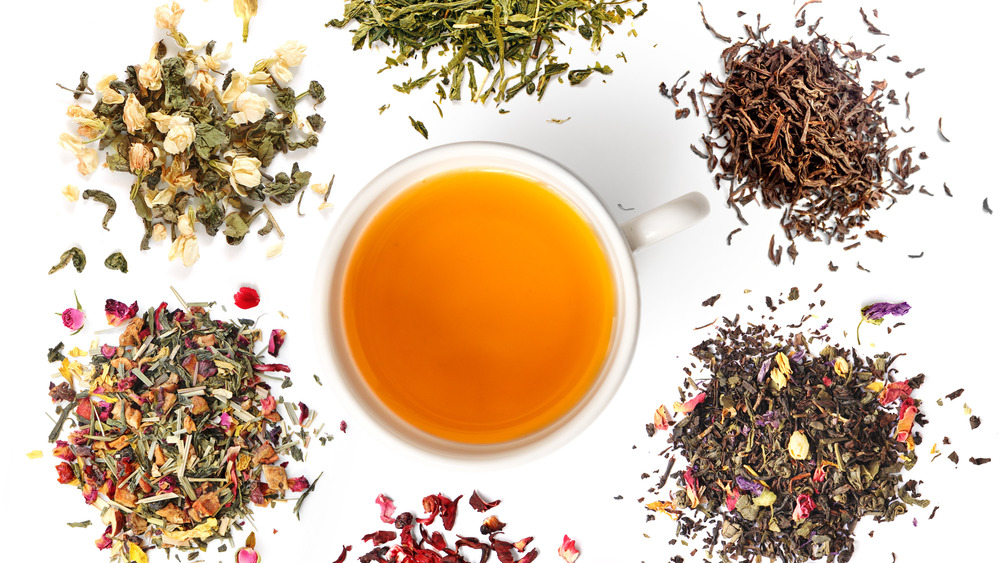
(386, 508)
(689, 405)
(804, 504)
(661, 418)
(275, 342)
(118, 313)
(71, 193)
(568, 550)
(246, 298)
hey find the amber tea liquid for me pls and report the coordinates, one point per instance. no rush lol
(478, 306)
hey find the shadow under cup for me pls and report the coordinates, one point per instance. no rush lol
(358, 373)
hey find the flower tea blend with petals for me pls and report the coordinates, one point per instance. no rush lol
(197, 149)
(790, 448)
(174, 432)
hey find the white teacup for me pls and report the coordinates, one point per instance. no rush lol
(618, 243)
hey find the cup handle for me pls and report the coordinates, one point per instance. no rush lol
(666, 220)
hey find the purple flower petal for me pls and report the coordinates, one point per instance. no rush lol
(748, 485)
(877, 311)
(764, 368)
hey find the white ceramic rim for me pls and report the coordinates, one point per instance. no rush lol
(334, 353)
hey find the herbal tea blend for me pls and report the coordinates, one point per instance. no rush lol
(512, 43)
(413, 542)
(787, 449)
(174, 433)
(798, 131)
(197, 149)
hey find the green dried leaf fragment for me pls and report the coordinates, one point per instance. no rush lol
(116, 261)
(207, 139)
(316, 91)
(76, 255)
(578, 76)
(106, 199)
(174, 84)
(419, 127)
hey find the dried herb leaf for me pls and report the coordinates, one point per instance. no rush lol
(106, 199)
(419, 127)
(116, 261)
(76, 255)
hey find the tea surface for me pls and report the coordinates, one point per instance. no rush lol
(478, 306)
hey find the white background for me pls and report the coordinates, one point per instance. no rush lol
(623, 140)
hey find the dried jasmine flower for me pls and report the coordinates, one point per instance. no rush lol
(197, 149)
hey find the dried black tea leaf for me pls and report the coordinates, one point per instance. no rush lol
(953, 456)
(986, 205)
(979, 460)
(911, 74)
(709, 27)
(790, 150)
(871, 27)
(76, 255)
(974, 421)
(729, 238)
(941, 133)
(106, 199)
(711, 300)
(116, 261)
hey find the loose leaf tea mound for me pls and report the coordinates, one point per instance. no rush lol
(175, 432)
(798, 131)
(198, 148)
(788, 448)
(493, 36)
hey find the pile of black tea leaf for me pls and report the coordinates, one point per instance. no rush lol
(798, 132)
(787, 447)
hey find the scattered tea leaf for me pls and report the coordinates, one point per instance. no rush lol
(709, 27)
(979, 460)
(419, 127)
(986, 205)
(974, 421)
(711, 300)
(84, 524)
(76, 255)
(116, 261)
(940, 132)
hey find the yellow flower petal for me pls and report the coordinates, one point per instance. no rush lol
(136, 554)
(875, 386)
(35, 454)
(783, 365)
(201, 531)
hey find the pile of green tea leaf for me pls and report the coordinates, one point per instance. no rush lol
(787, 449)
(511, 42)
